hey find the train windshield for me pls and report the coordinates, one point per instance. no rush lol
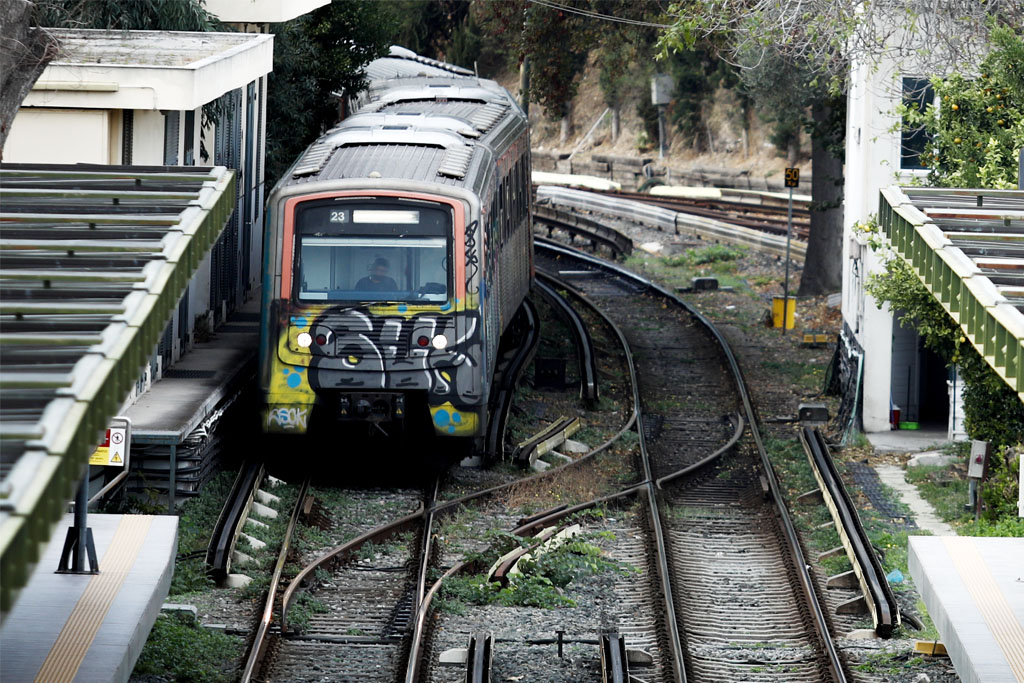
(365, 251)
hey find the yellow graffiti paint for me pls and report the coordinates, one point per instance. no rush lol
(449, 421)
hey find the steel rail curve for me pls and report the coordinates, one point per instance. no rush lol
(584, 344)
(232, 519)
(878, 595)
(260, 639)
(803, 573)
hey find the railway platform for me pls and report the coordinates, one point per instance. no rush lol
(974, 590)
(91, 627)
(174, 424)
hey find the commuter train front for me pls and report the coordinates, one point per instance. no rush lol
(398, 249)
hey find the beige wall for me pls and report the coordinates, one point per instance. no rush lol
(59, 136)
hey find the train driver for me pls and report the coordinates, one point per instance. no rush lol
(378, 279)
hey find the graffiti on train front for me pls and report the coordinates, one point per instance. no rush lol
(356, 350)
(281, 418)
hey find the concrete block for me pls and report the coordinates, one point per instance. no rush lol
(571, 446)
(256, 523)
(240, 559)
(263, 511)
(812, 412)
(455, 657)
(237, 581)
(267, 498)
(704, 283)
(253, 541)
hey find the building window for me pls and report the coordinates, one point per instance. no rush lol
(190, 134)
(919, 93)
(172, 129)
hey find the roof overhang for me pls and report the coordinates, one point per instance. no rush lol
(169, 70)
(261, 11)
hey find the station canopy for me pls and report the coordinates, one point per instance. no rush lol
(967, 246)
(93, 262)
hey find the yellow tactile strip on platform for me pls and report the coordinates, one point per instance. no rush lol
(989, 598)
(75, 639)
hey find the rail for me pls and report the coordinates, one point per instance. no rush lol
(232, 519)
(789, 531)
(586, 228)
(507, 377)
(258, 648)
(581, 337)
(667, 220)
(879, 597)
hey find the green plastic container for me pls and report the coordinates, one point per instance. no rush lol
(909, 425)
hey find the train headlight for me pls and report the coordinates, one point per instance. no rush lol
(439, 342)
(304, 340)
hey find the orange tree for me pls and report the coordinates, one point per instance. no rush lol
(977, 128)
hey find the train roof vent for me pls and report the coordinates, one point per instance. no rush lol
(455, 163)
(398, 52)
(487, 116)
(314, 159)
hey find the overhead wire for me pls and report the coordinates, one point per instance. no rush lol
(597, 15)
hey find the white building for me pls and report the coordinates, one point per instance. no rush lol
(151, 98)
(897, 371)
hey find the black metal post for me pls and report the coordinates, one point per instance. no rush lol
(785, 291)
(79, 543)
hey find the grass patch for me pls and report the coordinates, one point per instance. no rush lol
(542, 580)
(890, 663)
(179, 649)
(711, 254)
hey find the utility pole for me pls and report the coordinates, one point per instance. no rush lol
(792, 181)
(524, 85)
(662, 88)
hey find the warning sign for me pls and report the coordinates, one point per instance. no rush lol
(113, 452)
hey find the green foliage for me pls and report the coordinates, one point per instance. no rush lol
(148, 15)
(714, 253)
(978, 127)
(302, 610)
(542, 579)
(180, 649)
(315, 56)
(427, 27)
(1001, 489)
(992, 410)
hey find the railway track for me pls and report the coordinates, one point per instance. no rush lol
(744, 600)
(768, 217)
(364, 592)
(767, 238)
(739, 606)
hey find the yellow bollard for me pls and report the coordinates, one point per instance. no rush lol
(777, 306)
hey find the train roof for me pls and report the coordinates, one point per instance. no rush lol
(444, 129)
(403, 63)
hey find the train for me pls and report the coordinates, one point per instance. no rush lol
(397, 251)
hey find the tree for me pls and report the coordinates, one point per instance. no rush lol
(25, 50)
(531, 30)
(819, 38)
(318, 58)
(978, 130)
(138, 15)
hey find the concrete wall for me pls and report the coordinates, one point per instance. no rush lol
(872, 162)
(60, 136)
